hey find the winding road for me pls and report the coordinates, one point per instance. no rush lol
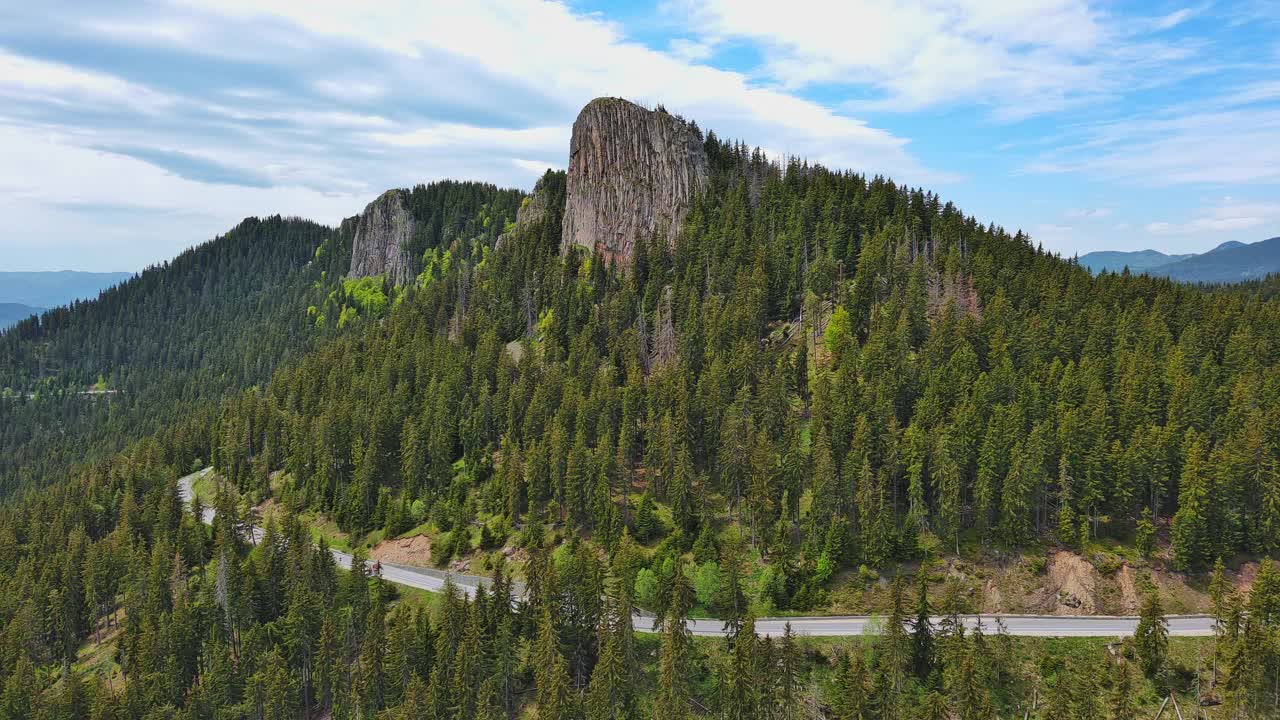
(814, 626)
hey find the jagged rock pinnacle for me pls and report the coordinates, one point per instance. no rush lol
(631, 171)
(382, 239)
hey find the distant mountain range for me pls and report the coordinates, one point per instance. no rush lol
(51, 289)
(11, 313)
(1226, 263)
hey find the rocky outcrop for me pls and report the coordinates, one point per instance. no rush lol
(383, 235)
(541, 208)
(632, 171)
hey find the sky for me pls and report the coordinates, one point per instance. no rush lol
(132, 130)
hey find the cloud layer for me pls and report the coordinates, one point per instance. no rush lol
(131, 130)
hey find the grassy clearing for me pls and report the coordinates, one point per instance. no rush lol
(205, 487)
(97, 655)
(323, 527)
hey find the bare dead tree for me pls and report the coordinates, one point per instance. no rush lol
(664, 342)
(642, 340)
(526, 304)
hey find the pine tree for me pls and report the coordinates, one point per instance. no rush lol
(947, 470)
(1122, 705)
(279, 689)
(1152, 636)
(741, 695)
(1192, 541)
(1066, 515)
(922, 641)
(732, 600)
(610, 693)
(895, 653)
(672, 701)
(551, 676)
(788, 676)
(852, 699)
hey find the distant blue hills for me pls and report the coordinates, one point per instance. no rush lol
(11, 313)
(23, 294)
(1227, 263)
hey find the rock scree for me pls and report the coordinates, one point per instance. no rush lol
(381, 246)
(631, 171)
(1074, 583)
(415, 550)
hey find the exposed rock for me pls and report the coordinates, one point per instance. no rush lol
(631, 171)
(1074, 582)
(515, 351)
(415, 550)
(382, 239)
(1128, 589)
(536, 205)
(541, 206)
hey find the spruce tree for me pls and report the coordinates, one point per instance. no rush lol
(1151, 638)
(551, 676)
(922, 642)
(672, 700)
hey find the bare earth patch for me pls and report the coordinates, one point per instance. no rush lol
(1245, 576)
(993, 600)
(1074, 582)
(266, 508)
(414, 550)
(1128, 589)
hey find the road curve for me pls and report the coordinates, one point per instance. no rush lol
(813, 626)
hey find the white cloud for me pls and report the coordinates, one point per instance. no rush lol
(147, 203)
(1229, 138)
(1022, 58)
(151, 30)
(351, 88)
(1087, 213)
(33, 80)
(455, 135)
(691, 50)
(572, 58)
(534, 167)
(1175, 18)
(1053, 236)
(1226, 216)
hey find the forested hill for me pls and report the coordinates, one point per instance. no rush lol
(167, 344)
(947, 381)
(819, 378)
(220, 316)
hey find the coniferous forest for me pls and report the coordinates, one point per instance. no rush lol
(828, 377)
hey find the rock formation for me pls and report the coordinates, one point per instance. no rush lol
(382, 239)
(631, 171)
(544, 205)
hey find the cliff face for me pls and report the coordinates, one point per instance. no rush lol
(541, 213)
(382, 239)
(631, 171)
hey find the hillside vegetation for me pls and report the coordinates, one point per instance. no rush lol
(826, 374)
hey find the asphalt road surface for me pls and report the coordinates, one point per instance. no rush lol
(815, 626)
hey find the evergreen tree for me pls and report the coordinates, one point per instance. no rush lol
(551, 675)
(922, 641)
(1151, 638)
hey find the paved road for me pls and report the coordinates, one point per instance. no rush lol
(821, 626)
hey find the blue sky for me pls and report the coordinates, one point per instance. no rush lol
(131, 130)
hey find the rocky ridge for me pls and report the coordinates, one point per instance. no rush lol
(631, 171)
(538, 207)
(383, 234)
